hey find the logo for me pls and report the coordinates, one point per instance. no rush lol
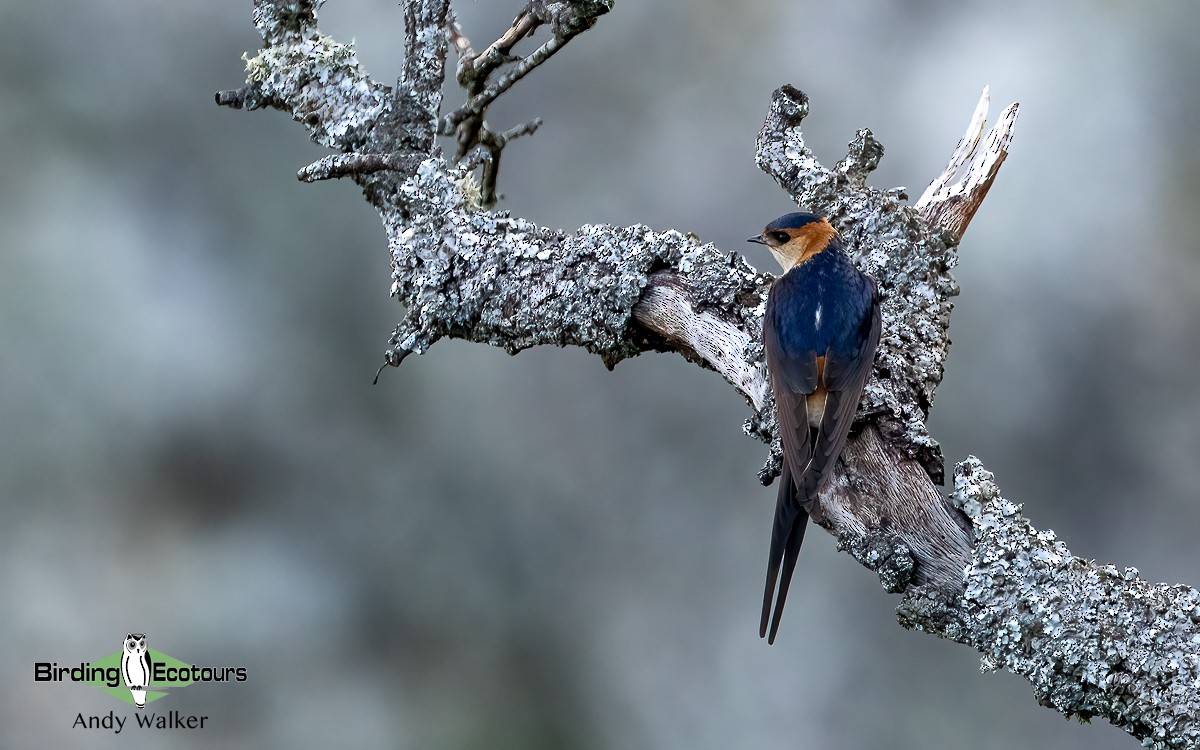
(137, 675)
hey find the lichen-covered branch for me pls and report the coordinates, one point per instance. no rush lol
(1093, 641)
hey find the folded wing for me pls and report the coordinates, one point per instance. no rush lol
(809, 454)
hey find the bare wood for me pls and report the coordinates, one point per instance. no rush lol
(951, 206)
(667, 308)
(883, 494)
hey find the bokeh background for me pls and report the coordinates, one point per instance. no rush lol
(494, 552)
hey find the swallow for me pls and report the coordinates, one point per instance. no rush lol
(820, 332)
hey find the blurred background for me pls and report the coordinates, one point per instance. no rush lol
(494, 552)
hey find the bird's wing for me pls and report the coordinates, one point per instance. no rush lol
(792, 379)
(844, 377)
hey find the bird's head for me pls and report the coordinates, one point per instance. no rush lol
(794, 238)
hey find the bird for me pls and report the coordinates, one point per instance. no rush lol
(820, 332)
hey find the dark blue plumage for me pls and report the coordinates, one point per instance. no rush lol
(793, 220)
(820, 333)
(828, 282)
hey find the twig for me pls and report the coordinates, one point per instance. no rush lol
(487, 151)
(346, 165)
(480, 102)
(472, 67)
(391, 358)
(233, 98)
(467, 123)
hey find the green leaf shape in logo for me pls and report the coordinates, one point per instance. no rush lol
(166, 672)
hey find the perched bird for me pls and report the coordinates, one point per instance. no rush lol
(820, 332)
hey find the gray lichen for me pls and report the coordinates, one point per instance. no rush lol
(324, 86)
(490, 278)
(1093, 640)
(883, 553)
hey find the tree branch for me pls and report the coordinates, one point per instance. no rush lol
(345, 165)
(951, 205)
(566, 20)
(1092, 641)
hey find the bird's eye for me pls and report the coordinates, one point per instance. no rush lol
(781, 237)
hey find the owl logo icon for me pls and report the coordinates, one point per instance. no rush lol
(136, 667)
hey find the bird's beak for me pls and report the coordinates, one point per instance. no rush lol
(757, 239)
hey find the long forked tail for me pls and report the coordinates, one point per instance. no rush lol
(787, 534)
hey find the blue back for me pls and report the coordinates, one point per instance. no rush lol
(828, 282)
